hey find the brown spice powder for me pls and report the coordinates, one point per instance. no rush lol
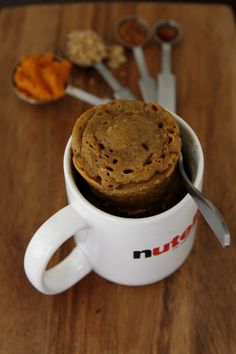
(166, 33)
(132, 32)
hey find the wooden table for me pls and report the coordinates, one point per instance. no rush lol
(194, 310)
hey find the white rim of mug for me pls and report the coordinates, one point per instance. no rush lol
(70, 180)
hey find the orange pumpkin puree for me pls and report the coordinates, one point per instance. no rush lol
(42, 77)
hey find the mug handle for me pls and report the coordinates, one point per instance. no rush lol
(47, 239)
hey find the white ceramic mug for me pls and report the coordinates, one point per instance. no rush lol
(123, 250)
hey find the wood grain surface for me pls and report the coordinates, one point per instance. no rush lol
(194, 310)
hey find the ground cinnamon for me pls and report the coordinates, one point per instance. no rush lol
(132, 32)
(166, 33)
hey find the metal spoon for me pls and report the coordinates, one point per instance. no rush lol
(147, 84)
(69, 90)
(208, 210)
(166, 82)
(167, 98)
(119, 90)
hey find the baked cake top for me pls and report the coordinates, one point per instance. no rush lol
(125, 142)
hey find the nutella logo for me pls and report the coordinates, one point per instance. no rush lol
(173, 243)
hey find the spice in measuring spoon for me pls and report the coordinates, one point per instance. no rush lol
(134, 32)
(86, 48)
(166, 33)
(44, 78)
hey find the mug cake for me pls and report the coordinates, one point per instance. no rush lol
(127, 152)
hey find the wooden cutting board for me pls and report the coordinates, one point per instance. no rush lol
(194, 310)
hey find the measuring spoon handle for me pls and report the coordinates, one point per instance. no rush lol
(166, 81)
(208, 210)
(119, 90)
(85, 96)
(146, 83)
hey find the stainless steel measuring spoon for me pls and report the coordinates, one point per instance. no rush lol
(69, 90)
(166, 33)
(208, 210)
(146, 83)
(167, 97)
(119, 91)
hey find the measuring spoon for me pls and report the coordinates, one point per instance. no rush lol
(146, 83)
(119, 90)
(166, 33)
(167, 98)
(69, 90)
(208, 210)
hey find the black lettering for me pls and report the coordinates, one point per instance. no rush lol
(147, 253)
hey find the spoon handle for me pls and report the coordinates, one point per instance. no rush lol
(166, 94)
(208, 210)
(85, 96)
(146, 83)
(166, 58)
(119, 90)
(140, 61)
(166, 82)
